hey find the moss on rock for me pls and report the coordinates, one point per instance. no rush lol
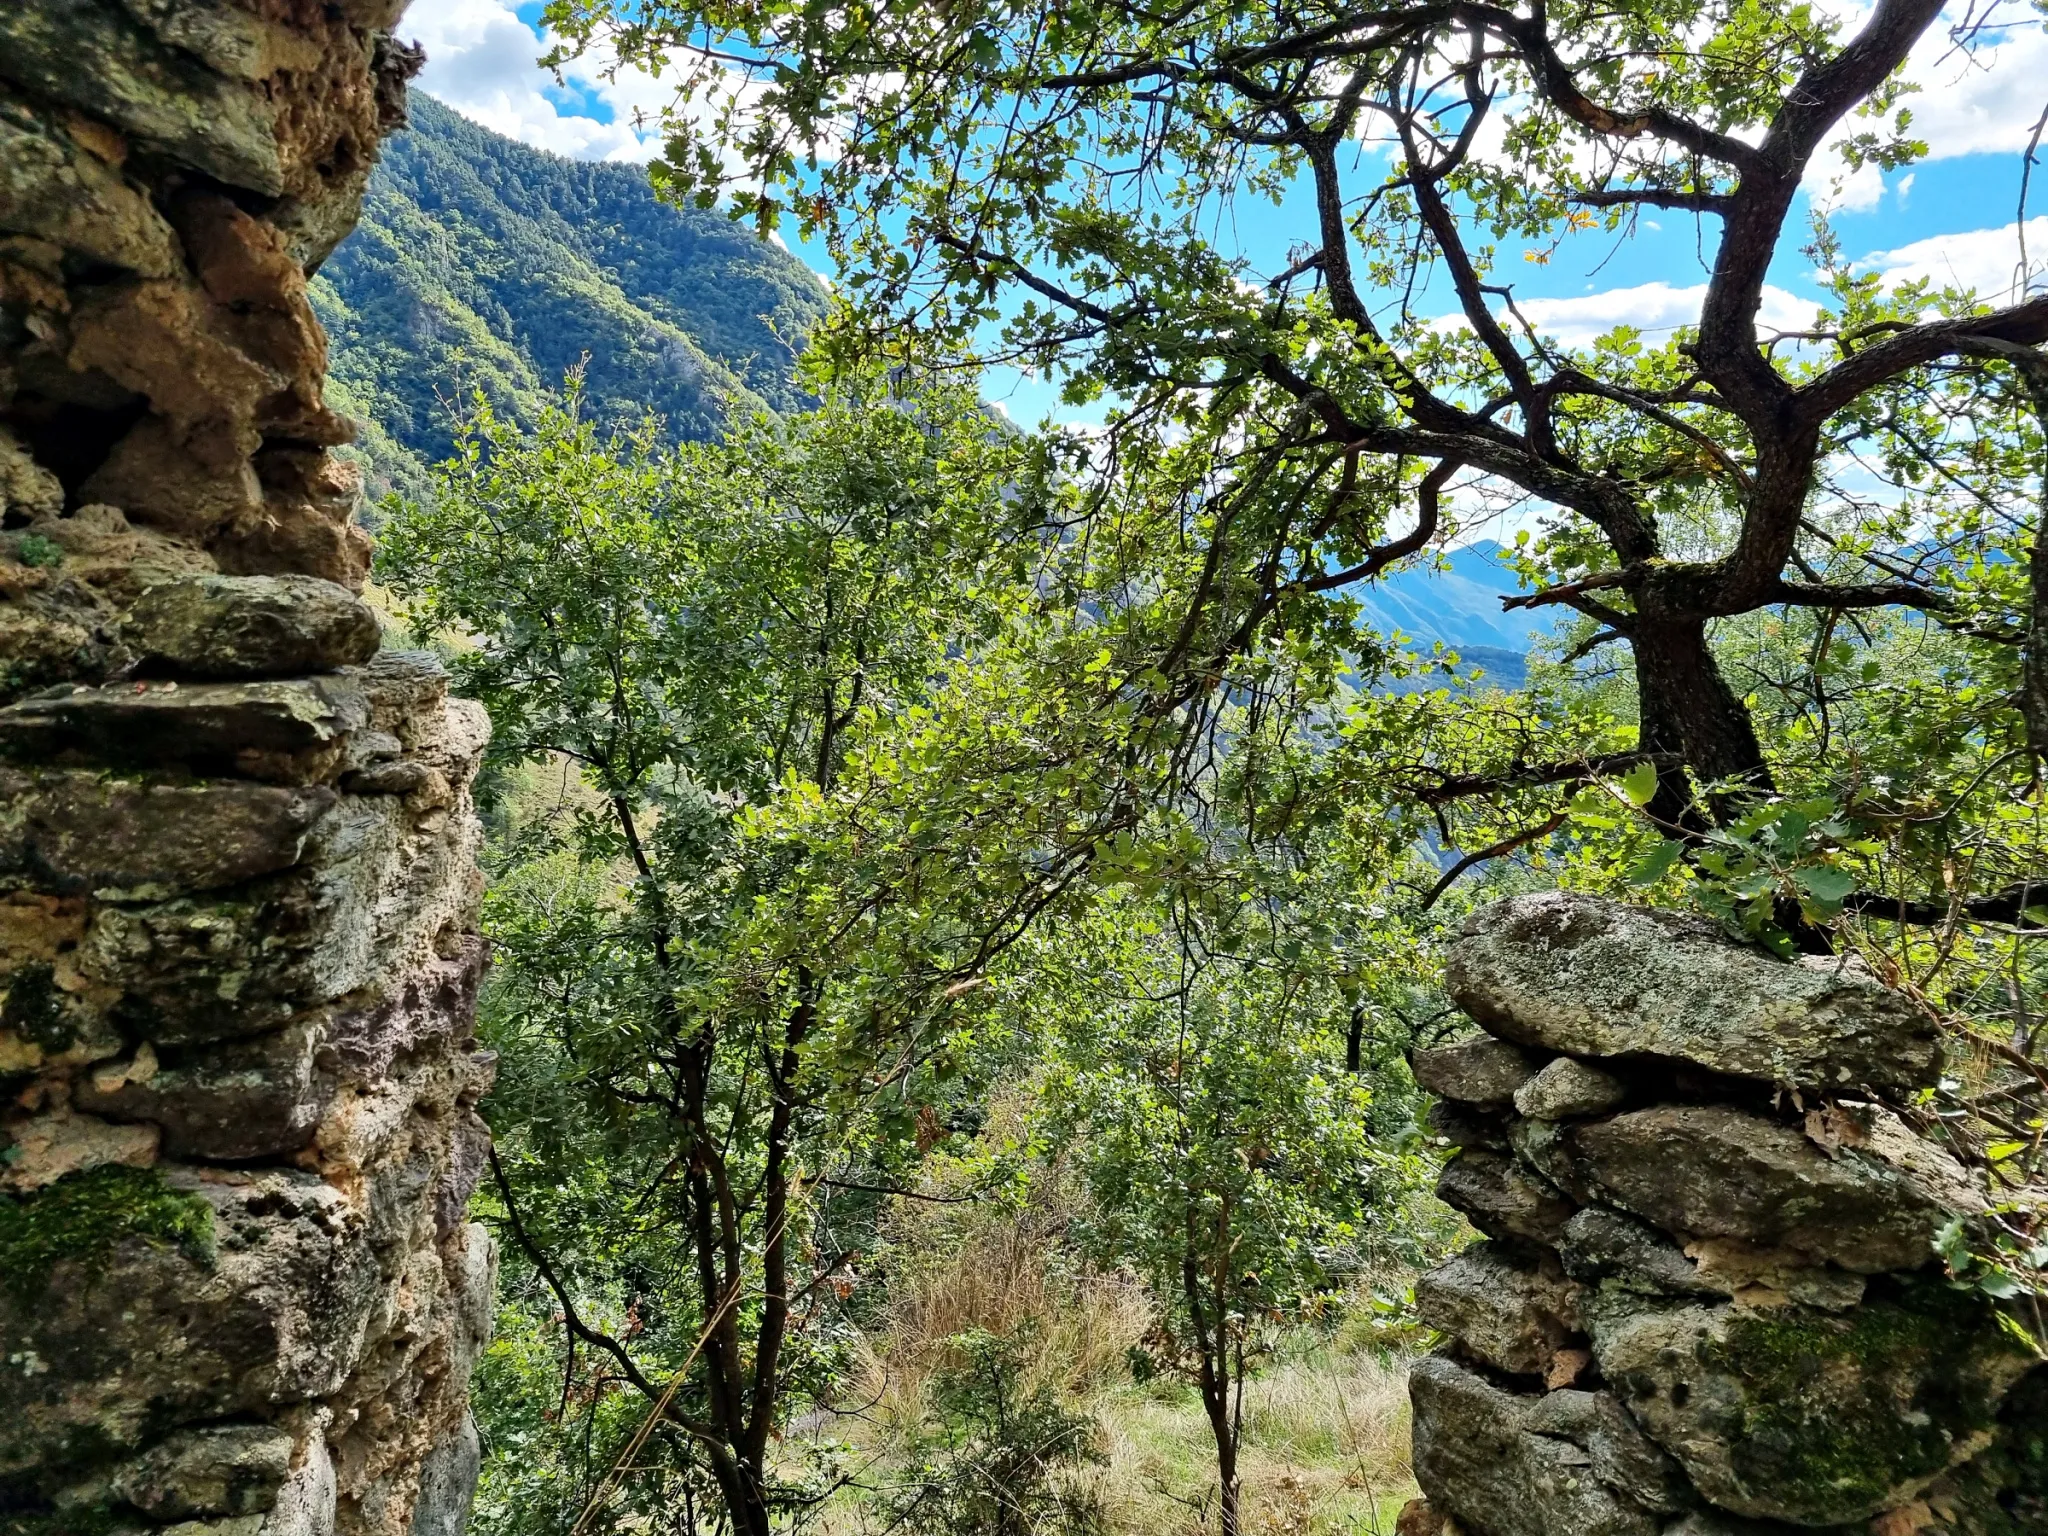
(84, 1216)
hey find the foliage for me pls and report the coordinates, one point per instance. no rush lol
(988, 1463)
(688, 638)
(1231, 1160)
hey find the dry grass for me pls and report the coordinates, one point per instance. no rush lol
(1326, 1424)
(1325, 1451)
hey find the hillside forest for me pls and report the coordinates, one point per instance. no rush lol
(963, 893)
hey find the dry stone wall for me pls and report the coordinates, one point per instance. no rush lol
(1708, 1301)
(238, 950)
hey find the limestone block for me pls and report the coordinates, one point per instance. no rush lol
(1503, 1199)
(99, 56)
(55, 188)
(1816, 1418)
(108, 1350)
(1501, 1307)
(282, 731)
(1624, 1458)
(81, 831)
(219, 1469)
(230, 1102)
(1709, 1171)
(1484, 1072)
(1604, 1248)
(448, 1483)
(1578, 974)
(1478, 1460)
(250, 626)
(1465, 1125)
(1568, 1090)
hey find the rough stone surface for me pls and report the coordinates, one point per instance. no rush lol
(1578, 974)
(1502, 1198)
(1567, 1090)
(250, 626)
(1709, 1171)
(1504, 1310)
(1714, 1248)
(1608, 1250)
(1484, 1072)
(238, 960)
(1479, 1460)
(1816, 1418)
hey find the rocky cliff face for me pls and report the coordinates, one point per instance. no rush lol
(238, 1296)
(1708, 1302)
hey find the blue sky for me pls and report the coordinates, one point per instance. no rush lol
(1951, 217)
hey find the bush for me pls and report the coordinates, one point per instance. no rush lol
(988, 1459)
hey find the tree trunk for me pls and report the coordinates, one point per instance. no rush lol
(1685, 703)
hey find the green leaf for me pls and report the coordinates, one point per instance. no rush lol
(1654, 865)
(1826, 882)
(1639, 784)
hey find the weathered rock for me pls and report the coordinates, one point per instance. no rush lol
(1708, 1171)
(204, 947)
(250, 626)
(1578, 974)
(1503, 1199)
(1417, 1518)
(1485, 1072)
(448, 1484)
(2002, 1491)
(27, 490)
(1503, 1309)
(1465, 1125)
(1715, 1522)
(1624, 1458)
(231, 1102)
(1569, 1090)
(290, 732)
(80, 831)
(1606, 1249)
(1478, 1460)
(1815, 1418)
(223, 1469)
(145, 1334)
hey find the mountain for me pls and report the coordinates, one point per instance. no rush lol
(481, 262)
(1458, 603)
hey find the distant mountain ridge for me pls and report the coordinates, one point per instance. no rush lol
(481, 262)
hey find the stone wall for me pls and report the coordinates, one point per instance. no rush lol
(1707, 1302)
(238, 1296)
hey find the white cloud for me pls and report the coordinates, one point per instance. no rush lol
(1984, 102)
(481, 60)
(1653, 308)
(1987, 260)
(1975, 101)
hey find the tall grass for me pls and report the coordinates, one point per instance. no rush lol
(1326, 1443)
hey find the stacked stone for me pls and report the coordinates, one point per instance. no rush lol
(238, 956)
(1708, 1301)
(241, 963)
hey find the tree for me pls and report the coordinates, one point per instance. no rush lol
(681, 650)
(1043, 180)
(1230, 1160)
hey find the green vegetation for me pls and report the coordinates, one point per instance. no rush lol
(962, 896)
(482, 264)
(83, 1217)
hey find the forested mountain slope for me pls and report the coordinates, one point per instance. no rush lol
(482, 262)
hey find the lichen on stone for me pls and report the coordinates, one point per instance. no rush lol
(85, 1216)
